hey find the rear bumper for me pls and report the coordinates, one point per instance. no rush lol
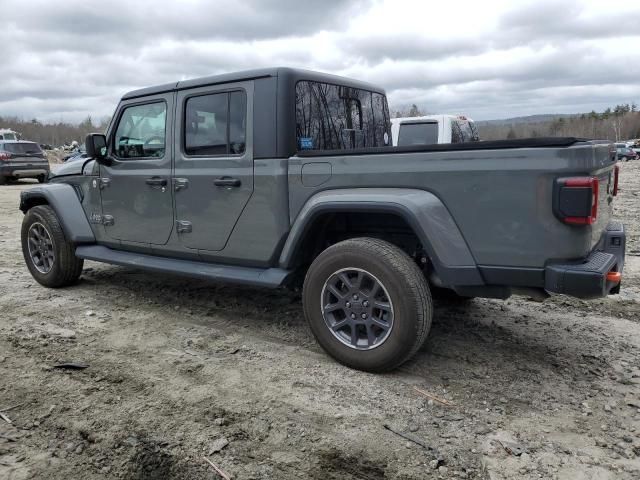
(24, 170)
(588, 278)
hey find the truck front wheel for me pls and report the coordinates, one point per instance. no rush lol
(49, 256)
(368, 304)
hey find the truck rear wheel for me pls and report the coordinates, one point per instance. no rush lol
(367, 304)
(50, 257)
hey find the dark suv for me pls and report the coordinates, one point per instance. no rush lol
(625, 153)
(21, 159)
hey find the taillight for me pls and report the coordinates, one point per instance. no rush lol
(576, 200)
(616, 176)
(4, 156)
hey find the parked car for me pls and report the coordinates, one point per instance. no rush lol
(8, 134)
(22, 159)
(281, 177)
(625, 152)
(432, 129)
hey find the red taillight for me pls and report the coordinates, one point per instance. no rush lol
(616, 176)
(583, 183)
(4, 156)
(614, 277)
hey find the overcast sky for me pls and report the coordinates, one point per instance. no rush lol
(65, 59)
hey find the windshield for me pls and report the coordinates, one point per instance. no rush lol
(424, 133)
(24, 148)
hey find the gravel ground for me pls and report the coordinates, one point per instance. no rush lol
(181, 370)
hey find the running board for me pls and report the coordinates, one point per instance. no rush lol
(269, 277)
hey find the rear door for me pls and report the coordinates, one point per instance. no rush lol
(137, 202)
(213, 177)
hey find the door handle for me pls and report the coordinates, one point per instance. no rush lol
(227, 182)
(156, 182)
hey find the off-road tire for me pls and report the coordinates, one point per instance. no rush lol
(407, 290)
(3, 180)
(66, 267)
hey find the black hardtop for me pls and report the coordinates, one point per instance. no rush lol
(289, 75)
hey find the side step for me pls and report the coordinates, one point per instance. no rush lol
(269, 277)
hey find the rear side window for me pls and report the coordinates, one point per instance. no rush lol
(141, 131)
(25, 148)
(216, 124)
(463, 131)
(332, 117)
(425, 133)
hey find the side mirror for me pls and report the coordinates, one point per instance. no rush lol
(96, 147)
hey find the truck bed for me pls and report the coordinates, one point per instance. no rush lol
(500, 193)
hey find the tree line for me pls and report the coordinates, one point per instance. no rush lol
(621, 122)
(54, 134)
(616, 124)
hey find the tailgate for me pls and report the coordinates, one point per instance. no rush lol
(604, 156)
(25, 158)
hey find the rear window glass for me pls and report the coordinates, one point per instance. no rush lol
(334, 117)
(22, 148)
(425, 133)
(8, 136)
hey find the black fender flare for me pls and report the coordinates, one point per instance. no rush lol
(425, 213)
(64, 200)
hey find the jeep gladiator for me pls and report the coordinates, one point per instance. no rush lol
(284, 177)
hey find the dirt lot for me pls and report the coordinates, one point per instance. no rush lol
(183, 369)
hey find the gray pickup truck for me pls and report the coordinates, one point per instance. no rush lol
(283, 177)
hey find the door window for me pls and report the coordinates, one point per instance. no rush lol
(141, 131)
(216, 124)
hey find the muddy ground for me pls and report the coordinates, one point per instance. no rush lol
(181, 370)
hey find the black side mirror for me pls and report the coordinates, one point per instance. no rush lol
(96, 147)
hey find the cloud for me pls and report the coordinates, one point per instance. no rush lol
(71, 58)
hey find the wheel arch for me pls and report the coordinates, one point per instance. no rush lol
(64, 201)
(424, 213)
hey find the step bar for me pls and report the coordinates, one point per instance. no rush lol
(258, 277)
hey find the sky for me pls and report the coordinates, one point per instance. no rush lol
(66, 59)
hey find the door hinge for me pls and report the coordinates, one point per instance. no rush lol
(182, 226)
(180, 183)
(107, 220)
(104, 183)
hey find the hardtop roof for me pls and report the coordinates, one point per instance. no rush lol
(293, 74)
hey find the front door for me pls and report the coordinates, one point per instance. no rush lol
(213, 177)
(136, 192)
